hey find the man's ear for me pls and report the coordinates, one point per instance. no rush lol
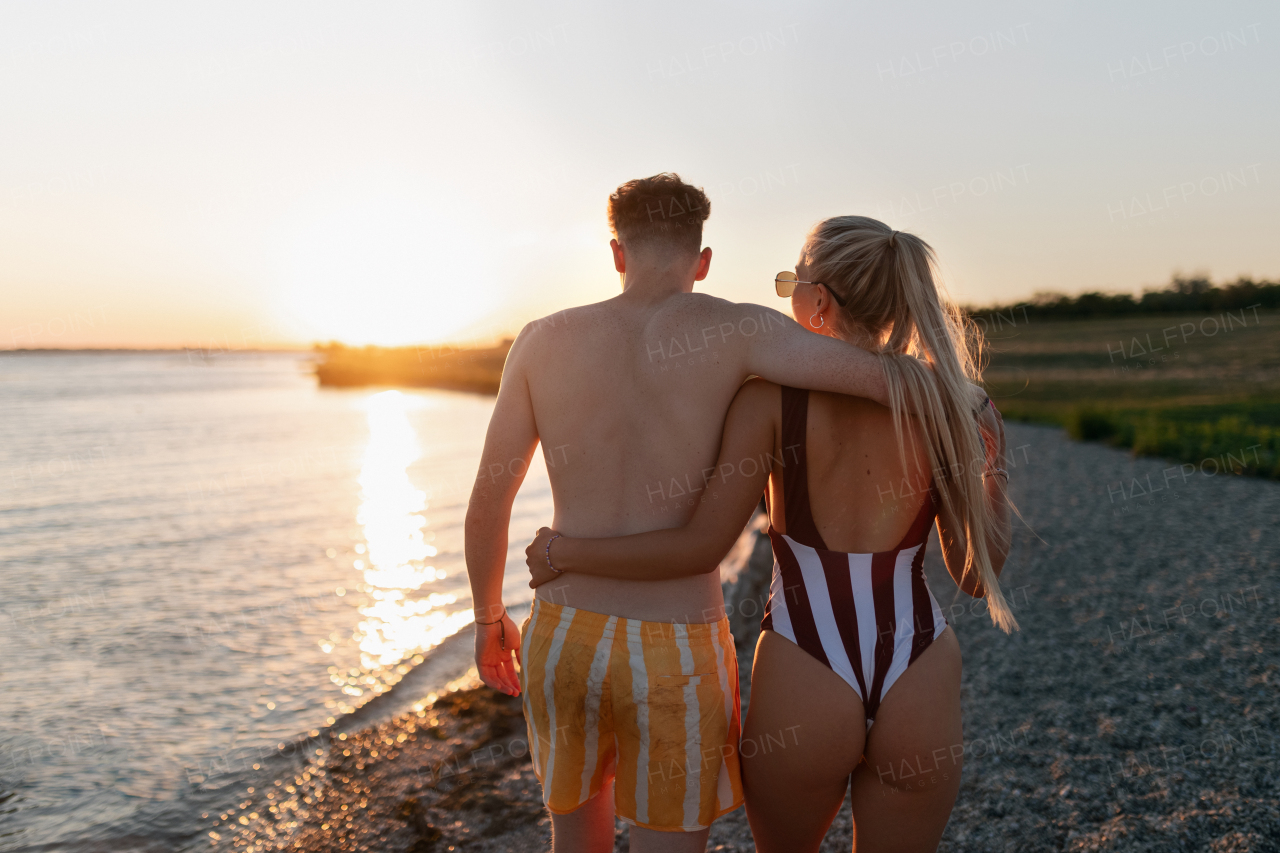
(704, 264)
(619, 257)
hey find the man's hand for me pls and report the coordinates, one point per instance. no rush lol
(536, 559)
(497, 647)
(991, 424)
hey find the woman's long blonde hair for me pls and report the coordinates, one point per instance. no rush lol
(889, 282)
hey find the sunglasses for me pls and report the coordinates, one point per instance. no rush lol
(785, 283)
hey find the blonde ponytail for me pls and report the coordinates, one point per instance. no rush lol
(889, 282)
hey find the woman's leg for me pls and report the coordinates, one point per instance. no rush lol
(904, 790)
(803, 736)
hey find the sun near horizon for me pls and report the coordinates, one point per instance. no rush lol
(271, 177)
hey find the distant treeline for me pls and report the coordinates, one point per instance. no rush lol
(1182, 296)
(477, 369)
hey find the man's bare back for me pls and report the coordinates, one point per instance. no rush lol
(631, 394)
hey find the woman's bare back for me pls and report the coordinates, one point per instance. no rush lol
(862, 496)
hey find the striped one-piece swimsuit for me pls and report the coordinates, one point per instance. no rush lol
(865, 616)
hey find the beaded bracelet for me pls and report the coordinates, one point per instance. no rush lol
(549, 566)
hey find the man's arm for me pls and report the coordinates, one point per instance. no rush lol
(511, 439)
(788, 354)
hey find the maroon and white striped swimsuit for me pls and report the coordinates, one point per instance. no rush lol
(866, 616)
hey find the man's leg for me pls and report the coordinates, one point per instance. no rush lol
(569, 715)
(587, 830)
(675, 703)
(590, 829)
(651, 841)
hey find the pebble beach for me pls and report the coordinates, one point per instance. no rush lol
(1135, 710)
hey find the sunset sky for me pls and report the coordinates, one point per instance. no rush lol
(265, 174)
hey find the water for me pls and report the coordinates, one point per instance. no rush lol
(204, 560)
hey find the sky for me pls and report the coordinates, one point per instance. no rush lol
(242, 175)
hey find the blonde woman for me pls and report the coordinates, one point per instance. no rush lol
(856, 680)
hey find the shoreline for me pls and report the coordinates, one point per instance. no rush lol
(1084, 731)
(454, 773)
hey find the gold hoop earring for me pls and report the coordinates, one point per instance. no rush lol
(821, 321)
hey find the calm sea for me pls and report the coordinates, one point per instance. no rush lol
(206, 559)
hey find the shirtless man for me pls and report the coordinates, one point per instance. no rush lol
(631, 688)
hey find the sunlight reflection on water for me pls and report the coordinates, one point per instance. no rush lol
(400, 623)
(206, 561)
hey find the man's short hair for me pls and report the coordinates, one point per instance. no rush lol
(659, 210)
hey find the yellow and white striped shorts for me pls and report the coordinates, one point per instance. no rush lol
(654, 704)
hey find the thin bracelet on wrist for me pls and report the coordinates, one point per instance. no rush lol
(1000, 471)
(501, 622)
(549, 566)
(494, 622)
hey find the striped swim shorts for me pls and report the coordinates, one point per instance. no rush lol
(653, 704)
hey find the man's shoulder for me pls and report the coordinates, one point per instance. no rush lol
(705, 306)
(696, 320)
(552, 329)
(558, 321)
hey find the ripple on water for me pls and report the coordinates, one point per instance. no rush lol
(207, 560)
